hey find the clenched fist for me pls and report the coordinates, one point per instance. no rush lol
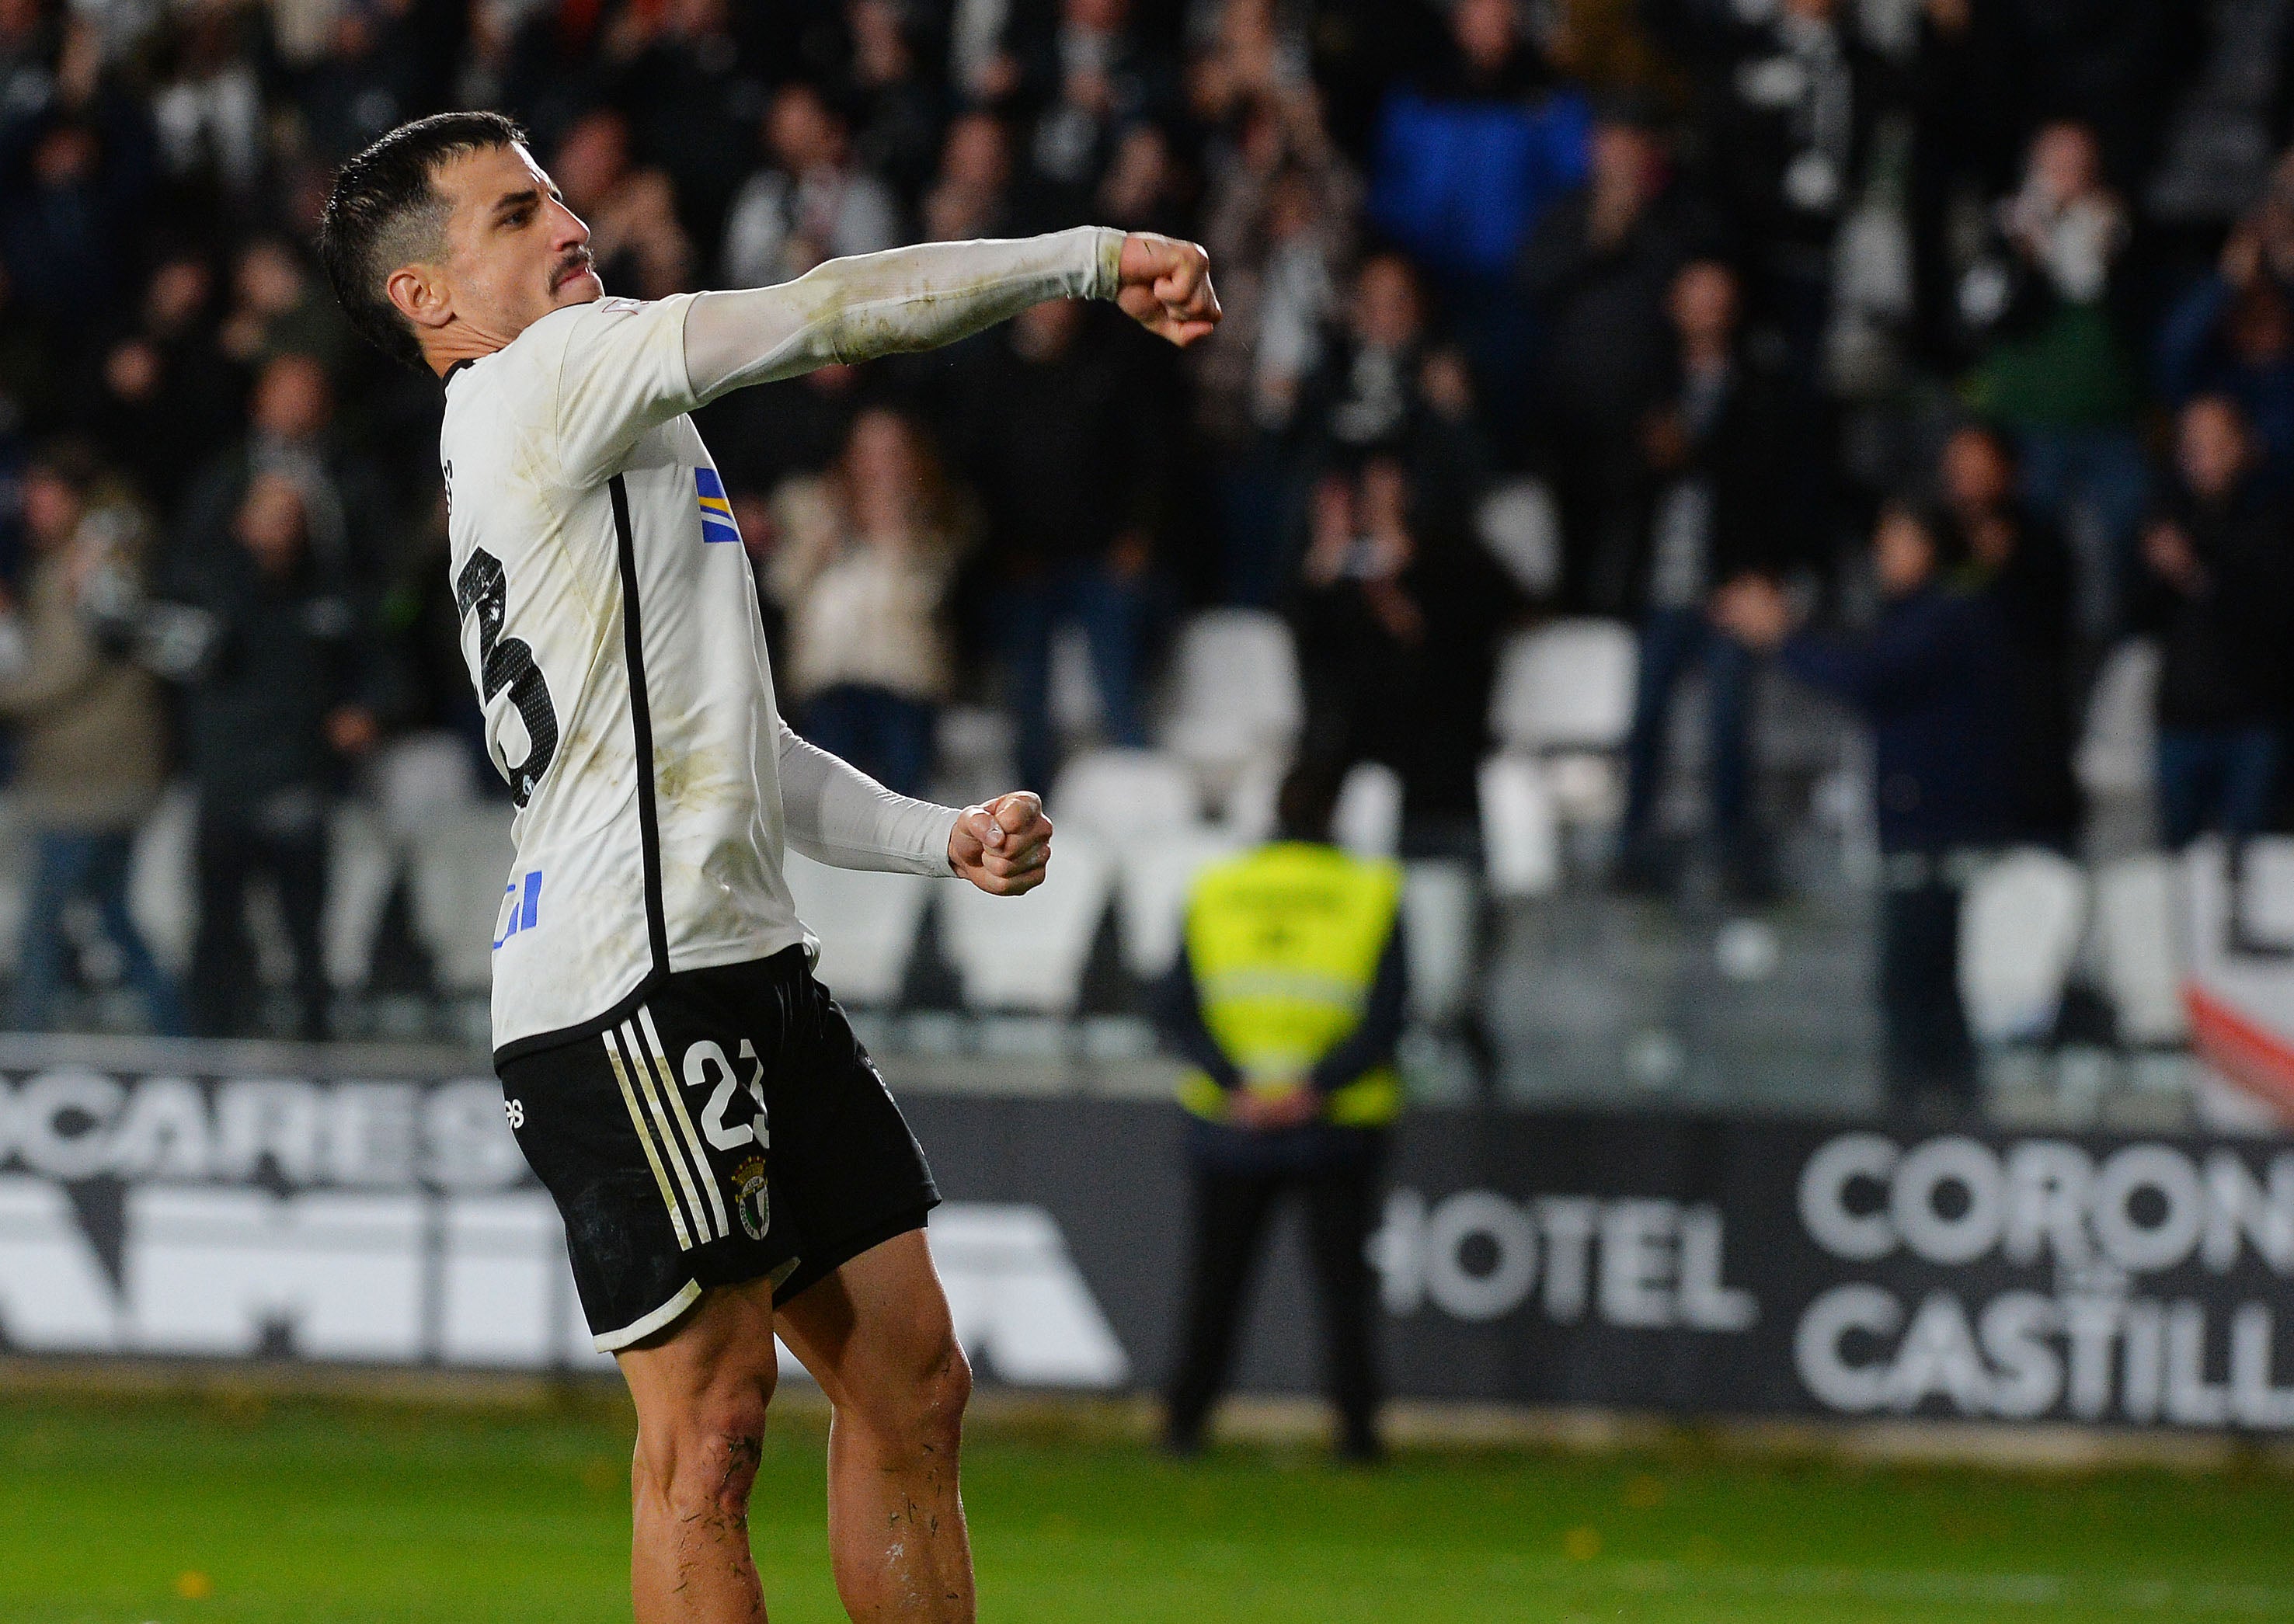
(1166, 287)
(1003, 845)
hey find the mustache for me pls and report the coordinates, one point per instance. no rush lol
(575, 263)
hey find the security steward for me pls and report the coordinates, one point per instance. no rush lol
(1288, 1000)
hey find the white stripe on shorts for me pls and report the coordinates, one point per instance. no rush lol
(667, 1137)
(685, 1121)
(644, 1138)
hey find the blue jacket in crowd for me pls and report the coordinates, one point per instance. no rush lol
(1935, 681)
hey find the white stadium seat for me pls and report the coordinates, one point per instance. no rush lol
(2021, 920)
(362, 861)
(2135, 913)
(1122, 794)
(1521, 826)
(1565, 685)
(1520, 523)
(1368, 818)
(1151, 885)
(1438, 908)
(421, 776)
(1028, 953)
(1235, 695)
(162, 895)
(2117, 747)
(459, 867)
(867, 923)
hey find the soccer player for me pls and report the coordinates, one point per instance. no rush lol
(725, 1156)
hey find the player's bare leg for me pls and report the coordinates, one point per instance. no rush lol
(701, 1393)
(876, 1336)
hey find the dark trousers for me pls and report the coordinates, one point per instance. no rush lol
(92, 864)
(1671, 641)
(1232, 1206)
(231, 852)
(887, 736)
(2215, 778)
(1111, 609)
(1929, 1058)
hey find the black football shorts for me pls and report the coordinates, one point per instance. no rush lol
(731, 1128)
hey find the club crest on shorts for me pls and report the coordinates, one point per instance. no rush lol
(752, 1199)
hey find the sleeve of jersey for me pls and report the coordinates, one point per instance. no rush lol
(870, 304)
(834, 813)
(621, 373)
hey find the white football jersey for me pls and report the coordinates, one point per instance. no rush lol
(611, 627)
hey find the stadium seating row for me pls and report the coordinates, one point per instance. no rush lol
(1136, 825)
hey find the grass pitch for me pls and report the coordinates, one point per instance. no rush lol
(315, 1512)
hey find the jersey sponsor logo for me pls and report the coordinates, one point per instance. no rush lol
(716, 511)
(521, 907)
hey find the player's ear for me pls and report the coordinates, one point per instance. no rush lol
(419, 293)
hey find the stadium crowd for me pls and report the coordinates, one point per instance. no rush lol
(1928, 346)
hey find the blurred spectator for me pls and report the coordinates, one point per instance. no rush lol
(862, 570)
(166, 398)
(1369, 389)
(899, 111)
(2017, 558)
(972, 196)
(1361, 632)
(207, 110)
(1144, 187)
(1928, 681)
(66, 198)
(1065, 443)
(2221, 580)
(1468, 161)
(1277, 224)
(1086, 78)
(692, 105)
(1469, 158)
(2053, 369)
(1596, 271)
(812, 203)
(1791, 135)
(346, 511)
(642, 250)
(384, 63)
(1968, 111)
(290, 688)
(1396, 614)
(1287, 999)
(1277, 221)
(278, 305)
(91, 752)
(2233, 333)
(1710, 455)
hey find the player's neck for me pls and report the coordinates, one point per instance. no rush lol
(448, 348)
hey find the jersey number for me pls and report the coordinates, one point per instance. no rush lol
(506, 662)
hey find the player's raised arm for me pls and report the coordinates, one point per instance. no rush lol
(834, 813)
(935, 293)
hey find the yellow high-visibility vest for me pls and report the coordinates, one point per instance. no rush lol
(1285, 942)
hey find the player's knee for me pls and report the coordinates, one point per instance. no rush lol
(939, 1396)
(951, 1382)
(704, 1462)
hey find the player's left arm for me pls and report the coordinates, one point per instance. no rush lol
(834, 813)
(935, 293)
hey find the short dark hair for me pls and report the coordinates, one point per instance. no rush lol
(384, 213)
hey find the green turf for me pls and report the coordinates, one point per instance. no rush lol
(305, 1511)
